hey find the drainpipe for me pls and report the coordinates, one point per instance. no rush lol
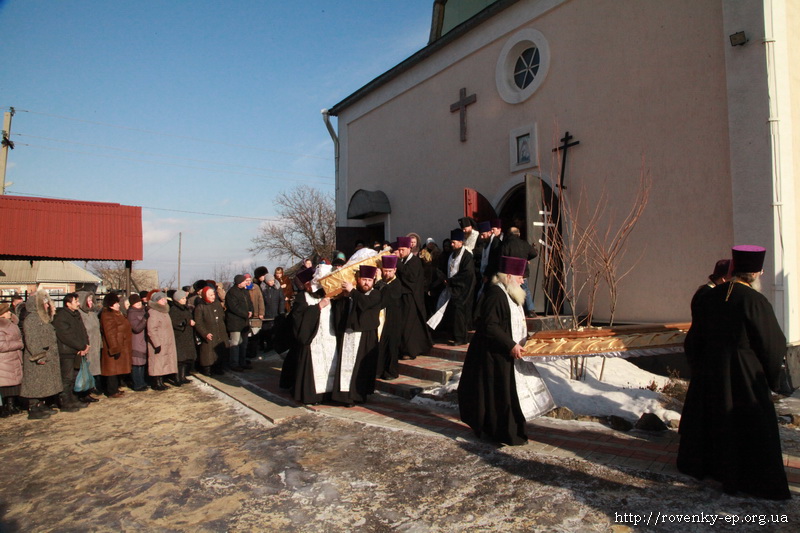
(326, 117)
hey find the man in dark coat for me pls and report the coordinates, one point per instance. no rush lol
(238, 310)
(392, 308)
(718, 277)
(514, 246)
(183, 327)
(459, 280)
(358, 355)
(73, 346)
(416, 338)
(729, 430)
(487, 395)
(309, 369)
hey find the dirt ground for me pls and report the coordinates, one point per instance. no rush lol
(190, 459)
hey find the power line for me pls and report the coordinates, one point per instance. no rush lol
(161, 155)
(220, 171)
(151, 132)
(261, 219)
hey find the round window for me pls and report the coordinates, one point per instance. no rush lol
(527, 67)
(522, 66)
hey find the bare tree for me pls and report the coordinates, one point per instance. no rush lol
(307, 227)
(114, 276)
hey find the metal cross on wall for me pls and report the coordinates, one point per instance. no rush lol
(461, 107)
(563, 148)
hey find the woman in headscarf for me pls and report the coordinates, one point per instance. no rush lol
(162, 356)
(115, 358)
(137, 316)
(10, 361)
(41, 365)
(92, 324)
(183, 328)
(209, 317)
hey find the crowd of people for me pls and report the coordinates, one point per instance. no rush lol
(151, 340)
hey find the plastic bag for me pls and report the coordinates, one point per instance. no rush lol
(85, 380)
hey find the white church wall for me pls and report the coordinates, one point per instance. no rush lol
(628, 79)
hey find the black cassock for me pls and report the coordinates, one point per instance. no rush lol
(416, 337)
(461, 286)
(487, 396)
(297, 372)
(389, 347)
(362, 317)
(729, 430)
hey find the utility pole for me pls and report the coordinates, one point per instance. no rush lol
(6, 144)
(180, 241)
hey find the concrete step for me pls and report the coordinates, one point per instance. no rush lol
(447, 352)
(429, 368)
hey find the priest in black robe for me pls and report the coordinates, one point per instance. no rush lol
(416, 337)
(358, 360)
(459, 280)
(308, 370)
(718, 277)
(487, 394)
(729, 430)
(390, 335)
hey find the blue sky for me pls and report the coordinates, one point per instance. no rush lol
(175, 106)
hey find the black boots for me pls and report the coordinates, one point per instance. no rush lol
(38, 411)
(183, 369)
(159, 383)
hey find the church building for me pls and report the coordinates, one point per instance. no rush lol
(523, 108)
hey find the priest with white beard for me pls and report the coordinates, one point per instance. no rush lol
(498, 391)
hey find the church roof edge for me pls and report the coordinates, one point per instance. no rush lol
(422, 54)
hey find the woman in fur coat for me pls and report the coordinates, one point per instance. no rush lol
(162, 355)
(41, 366)
(115, 358)
(10, 361)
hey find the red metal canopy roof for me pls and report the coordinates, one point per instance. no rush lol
(67, 229)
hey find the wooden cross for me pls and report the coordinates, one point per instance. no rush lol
(566, 140)
(461, 107)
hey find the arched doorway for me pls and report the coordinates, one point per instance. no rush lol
(539, 222)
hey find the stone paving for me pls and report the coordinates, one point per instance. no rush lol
(590, 441)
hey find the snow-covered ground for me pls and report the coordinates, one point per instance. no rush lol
(622, 392)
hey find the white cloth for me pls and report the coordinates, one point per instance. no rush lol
(532, 393)
(324, 354)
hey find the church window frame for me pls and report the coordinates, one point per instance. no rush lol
(519, 72)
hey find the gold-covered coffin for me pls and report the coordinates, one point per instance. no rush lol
(332, 283)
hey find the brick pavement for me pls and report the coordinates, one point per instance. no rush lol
(647, 451)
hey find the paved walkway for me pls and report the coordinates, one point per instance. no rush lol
(639, 450)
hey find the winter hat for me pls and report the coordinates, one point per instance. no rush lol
(238, 278)
(179, 295)
(269, 277)
(110, 300)
(260, 271)
(134, 298)
(156, 297)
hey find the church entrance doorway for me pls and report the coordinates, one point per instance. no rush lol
(534, 208)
